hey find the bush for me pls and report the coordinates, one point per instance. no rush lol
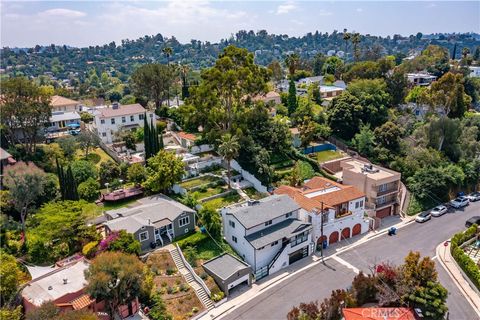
(158, 310)
(194, 309)
(89, 190)
(184, 287)
(171, 271)
(93, 158)
(90, 249)
(217, 296)
(463, 260)
(83, 170)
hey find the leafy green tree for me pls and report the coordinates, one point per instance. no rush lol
(416, 95)
(126, 243)
(89, 190)
(163, 170)
(333, 65)
(228, 148)
(344, 115)
(211, 220)
(137, 173)
(276, 70)
(82, 170)
(68, 185)
(9, 277)
(153, 81)
(292, 61)
(362, 70)
(356, 39)
(397, 87)
(292, 97)
(109, 171)
(87, 140)
(115, 278)
(25, 108)
(129, 139)
(11, 314)
(69, 147)
(364, 141)
(48, 310)
(448, 93)
(25, 182)
(389, 136)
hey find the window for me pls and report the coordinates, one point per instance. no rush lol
(382, 187)
(288, 215)
(183, 221)
(104, 134)
(102, 121)
(231, 223)
(361, 203)
(299, 238)
(140, 117)
(112, 120)
(124, 120)
(132, 118)
(234, 239)
(151, 115)
(269, 222)
(381, 200)
(274, 243)
(143, 236)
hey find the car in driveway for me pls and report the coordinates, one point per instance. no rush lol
(472, 220)
(423, 217)
(438, 211)
(459, 202)
(475, 196)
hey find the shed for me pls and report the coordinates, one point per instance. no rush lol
(228, 272)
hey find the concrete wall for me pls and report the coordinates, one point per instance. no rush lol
(248, 176)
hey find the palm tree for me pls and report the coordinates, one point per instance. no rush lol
(346, 37)
(355, 41)
(228, 149)
(292, 61)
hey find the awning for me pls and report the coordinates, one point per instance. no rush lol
(162, 223)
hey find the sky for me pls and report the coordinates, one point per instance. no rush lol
(84, 23)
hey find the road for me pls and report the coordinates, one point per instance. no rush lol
(317, 282)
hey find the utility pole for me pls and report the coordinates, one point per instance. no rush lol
(321, 231)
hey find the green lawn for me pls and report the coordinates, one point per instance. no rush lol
(328, 155)
(209, 192)
(224, 201)
(197, 182)
(205, 247)
(254, 194)
(96, 156)
(116, 205)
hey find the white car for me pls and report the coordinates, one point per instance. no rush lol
(424, 216)
(475, 196)
(438, 211)
(459, 202)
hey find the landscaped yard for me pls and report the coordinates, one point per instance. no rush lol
(118, 204)
(208, 192)
(328, 155)
(180, 299)
(224, 201)
(96, 156)
(197, 182)
(204, 247)
(254, 194)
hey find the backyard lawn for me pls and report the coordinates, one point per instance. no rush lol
(224, 201)
(204, 247)
(208, 192)
(328, 155)
(254, 194)
(118, 204)
(96, 156)
(197, 182)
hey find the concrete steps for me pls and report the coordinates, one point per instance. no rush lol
(190, 279)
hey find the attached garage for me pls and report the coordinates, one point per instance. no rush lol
(297, 255)
(333, 237)
(228, 272)
(382, 213)
(357, 229)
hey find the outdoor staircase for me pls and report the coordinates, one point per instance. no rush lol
(190, 278)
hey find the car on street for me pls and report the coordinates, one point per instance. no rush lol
(459, 202)
(438, 211)
(424, 216)
(475, 196)
(472, 220)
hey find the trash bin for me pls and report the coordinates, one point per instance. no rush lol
(324, 244)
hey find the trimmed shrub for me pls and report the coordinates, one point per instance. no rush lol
(463, 260)
(90, 249)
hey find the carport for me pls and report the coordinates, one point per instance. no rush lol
(228, 272)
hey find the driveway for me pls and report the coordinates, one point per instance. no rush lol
(317, 282)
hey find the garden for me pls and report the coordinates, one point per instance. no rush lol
(327, 155)
(460, 253)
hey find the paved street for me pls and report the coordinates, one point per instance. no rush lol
(317, 282)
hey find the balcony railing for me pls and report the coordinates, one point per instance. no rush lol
(384, 192)
(386, 203)
(343, 214)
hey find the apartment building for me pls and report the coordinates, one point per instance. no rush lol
(380, 185)
(268, 233)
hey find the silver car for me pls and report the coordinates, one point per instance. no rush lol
(438, 211)
(475, 196)
(424, 216)
(459, 202)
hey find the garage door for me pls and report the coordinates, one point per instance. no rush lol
(356, 229)
(297, 255)
(333, 237)
(383, 212)
(346, 233)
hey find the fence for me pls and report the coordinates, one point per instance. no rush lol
(250, 177)
(319, 148)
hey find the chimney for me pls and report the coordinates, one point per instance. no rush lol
(149, 222)
(115, 105)
(65, 280)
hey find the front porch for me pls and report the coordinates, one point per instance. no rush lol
(163, 233)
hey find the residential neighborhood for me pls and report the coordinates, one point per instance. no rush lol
(304, 175)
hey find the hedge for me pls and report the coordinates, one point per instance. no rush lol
(463, 260)
(316, 166)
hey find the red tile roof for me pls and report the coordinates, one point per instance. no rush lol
(378, 314)
(186, 136)
(321, 183)
(82, 302)
(299, 198)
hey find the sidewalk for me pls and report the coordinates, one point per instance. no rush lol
(243, 296)
(453, 270)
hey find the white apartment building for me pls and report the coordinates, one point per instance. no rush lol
(343, 209)
(268, 233)
(112, 119)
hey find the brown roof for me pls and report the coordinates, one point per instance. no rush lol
(321, 183)
(337, 197)
(267, 96)
(186, 136)
(58, 101)
(122, 110)
(82, 302)
(378, 314)
(299, 198)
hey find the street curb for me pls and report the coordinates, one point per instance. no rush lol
(464, 292)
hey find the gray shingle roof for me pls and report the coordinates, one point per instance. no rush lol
(225, 265)
(266, 209)
(151, 210)
(284, 229)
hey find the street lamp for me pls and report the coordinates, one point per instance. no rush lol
(106, 185)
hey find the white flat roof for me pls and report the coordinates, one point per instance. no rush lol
(64, 116)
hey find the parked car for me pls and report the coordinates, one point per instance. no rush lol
(472, 220)
(424, 216)
(459, 202)
(438, 211)
(475, 196)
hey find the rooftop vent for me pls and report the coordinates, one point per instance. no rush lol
(369, 168)
(252, 202)
(50, 288)
(65, 280)
(115, 105)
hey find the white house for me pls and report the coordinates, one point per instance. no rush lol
(268, 233)
(60, 120)
(474, 72)
(420, 79)
(343, 208)
(117, 117)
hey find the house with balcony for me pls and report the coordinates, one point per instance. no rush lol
(268, 234)
(420, 79)
(380, 185)
(156, 221)
(110, 120)
(341, 208)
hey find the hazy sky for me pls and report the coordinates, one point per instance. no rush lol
(83, 23)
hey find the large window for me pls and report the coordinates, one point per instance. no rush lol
(383, 187)
(112, 120)
(102, 121)
(143, 236)
(124, 120)
(132, 118)
(183, 221)
(231, 223)
(299, 238)
(234, 239)
(269, 222)
(140, 117)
